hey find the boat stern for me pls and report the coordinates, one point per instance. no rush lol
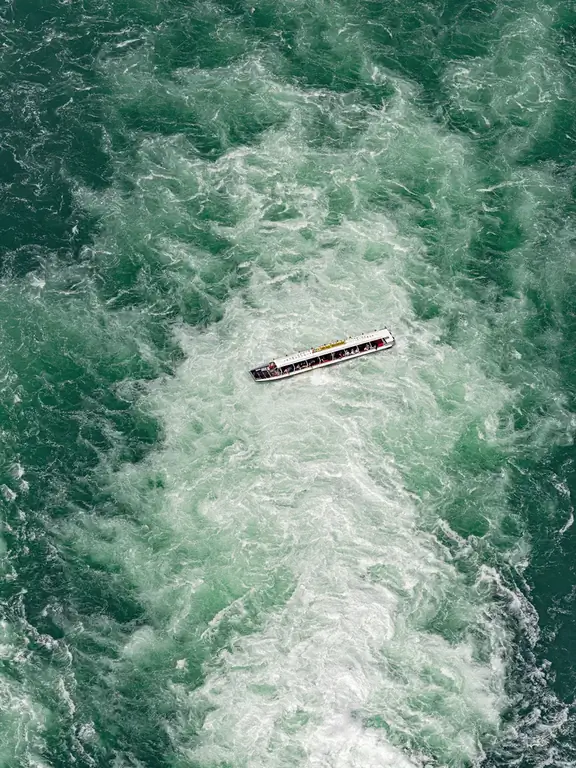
(263, 372)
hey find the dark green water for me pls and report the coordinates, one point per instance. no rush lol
(369, 566)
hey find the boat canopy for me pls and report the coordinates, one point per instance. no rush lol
(333, 346)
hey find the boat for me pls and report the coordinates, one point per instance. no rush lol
(327, 354)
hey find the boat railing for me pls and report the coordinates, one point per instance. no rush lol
(271, 371)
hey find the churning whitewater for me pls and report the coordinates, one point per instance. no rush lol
(368, 566)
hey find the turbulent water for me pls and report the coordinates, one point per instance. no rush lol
(372, 565)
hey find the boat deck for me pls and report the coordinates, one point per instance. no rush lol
(320, 357)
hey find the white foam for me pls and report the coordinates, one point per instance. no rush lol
(286, 539)
(301, 483)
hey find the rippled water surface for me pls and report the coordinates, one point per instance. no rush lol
(371, 565)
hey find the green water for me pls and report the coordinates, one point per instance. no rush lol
(372, 565)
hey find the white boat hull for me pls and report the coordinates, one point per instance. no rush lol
(277, 374)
